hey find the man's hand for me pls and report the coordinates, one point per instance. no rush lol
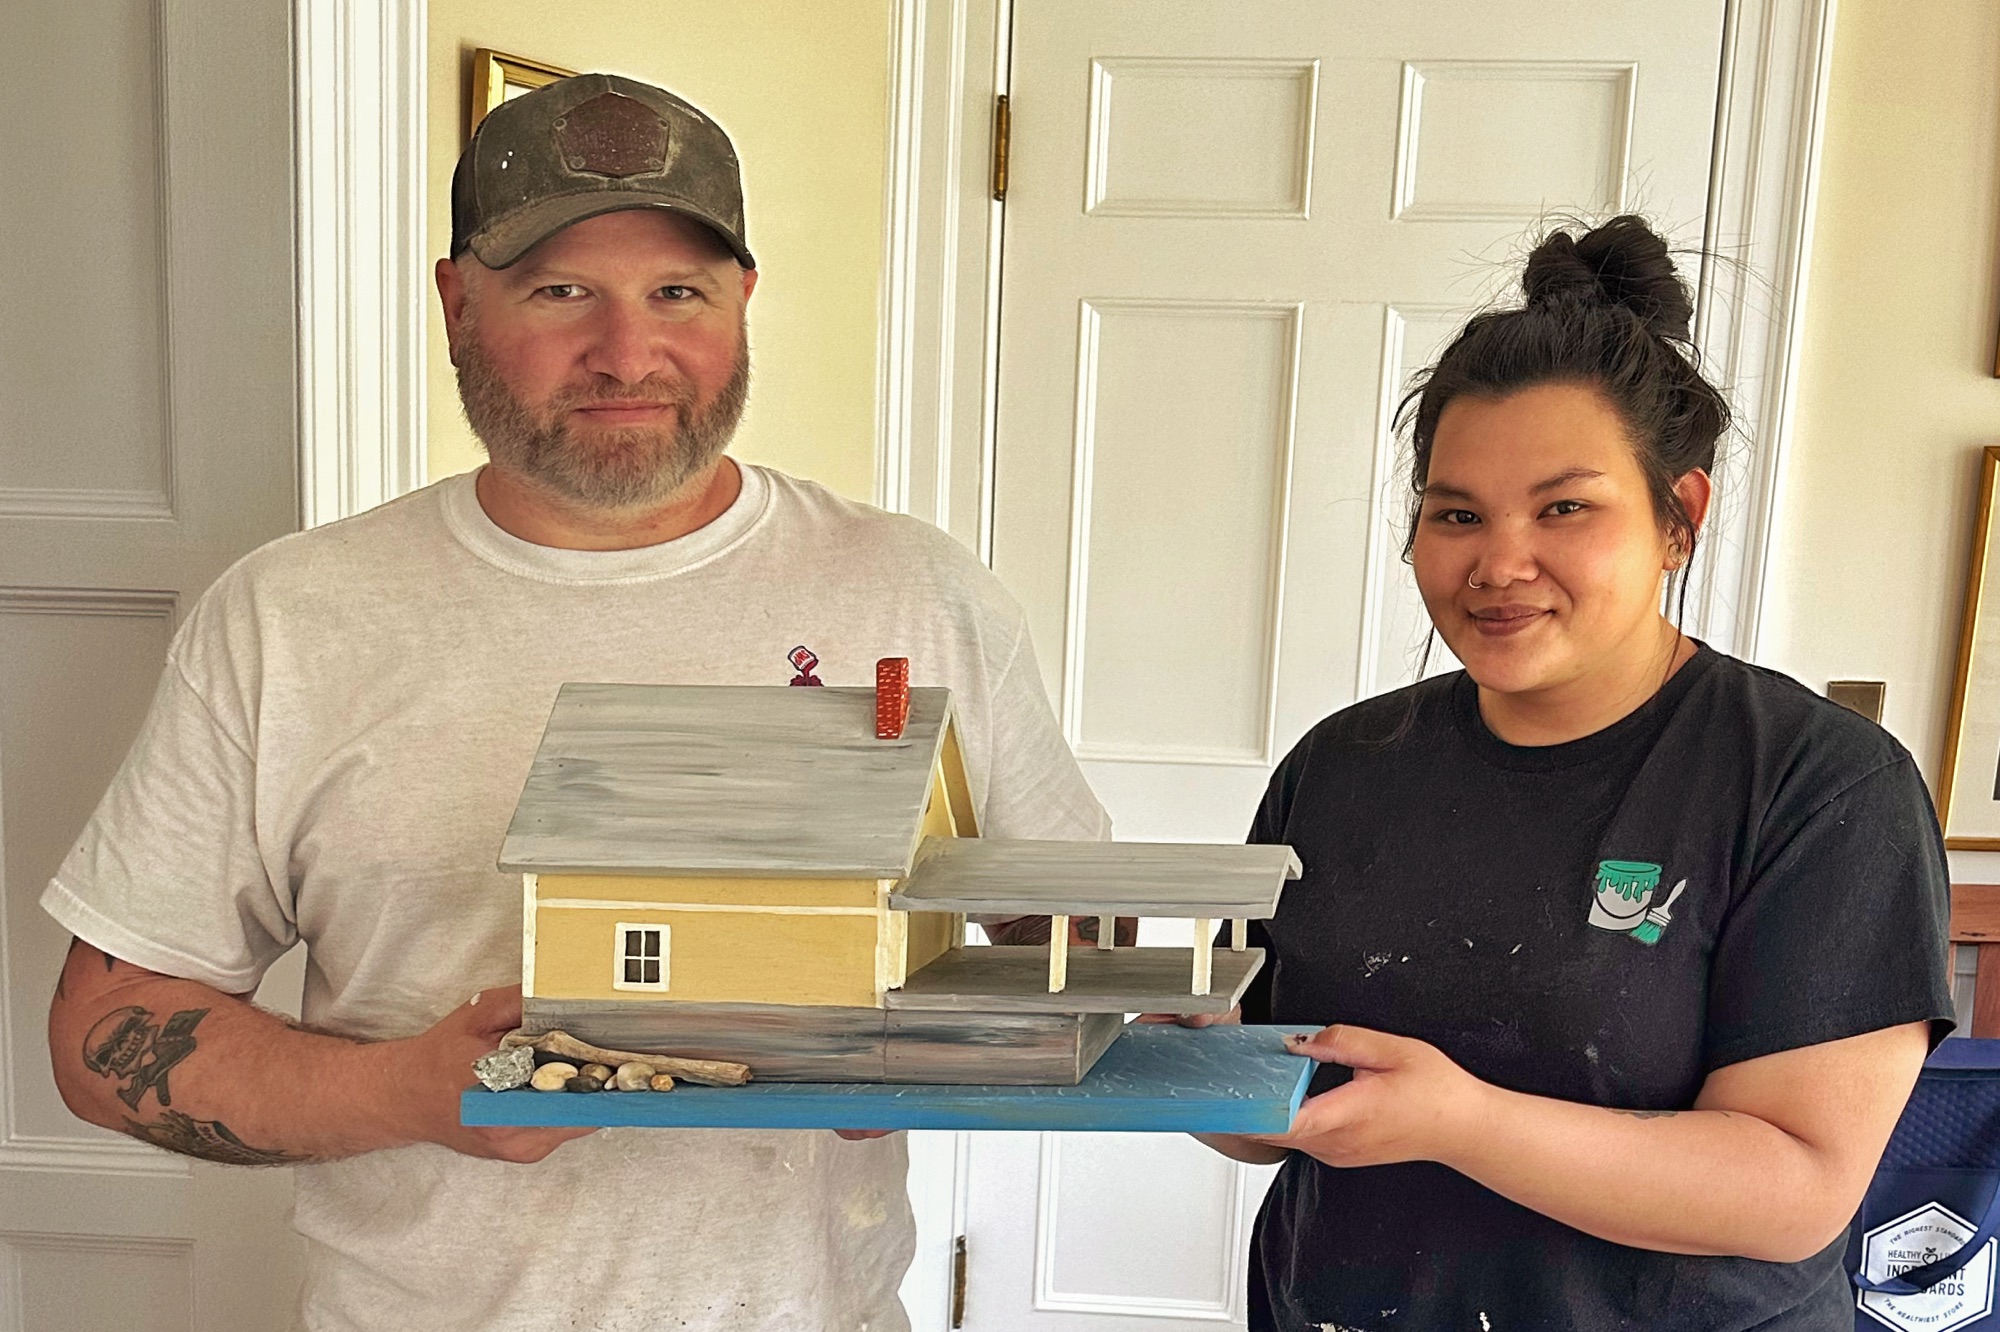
(435, 1067)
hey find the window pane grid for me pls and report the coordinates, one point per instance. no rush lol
(641, 957)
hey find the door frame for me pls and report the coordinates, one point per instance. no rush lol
(359, 109)
(360, 106)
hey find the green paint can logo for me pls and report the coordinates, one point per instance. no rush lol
(1623, 900)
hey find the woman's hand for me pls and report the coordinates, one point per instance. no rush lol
(1407, 1102)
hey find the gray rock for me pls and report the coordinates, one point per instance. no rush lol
(504, 1070)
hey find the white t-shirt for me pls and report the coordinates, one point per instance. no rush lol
(338, 740)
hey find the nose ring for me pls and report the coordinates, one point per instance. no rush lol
(1469, 583)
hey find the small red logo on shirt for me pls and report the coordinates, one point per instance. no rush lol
(803, 660)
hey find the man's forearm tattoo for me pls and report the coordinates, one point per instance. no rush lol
(1646, 1114)
(127, 1044)
(206, 1138)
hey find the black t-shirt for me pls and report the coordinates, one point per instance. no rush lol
(1737, 868)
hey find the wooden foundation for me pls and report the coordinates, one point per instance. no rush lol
(783, 1043)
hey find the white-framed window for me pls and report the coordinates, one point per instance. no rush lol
(639, 956)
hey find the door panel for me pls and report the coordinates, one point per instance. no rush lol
(1231, 232)
(147, 439)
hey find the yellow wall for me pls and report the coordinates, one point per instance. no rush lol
(713, 957)
(802, 88)
(1896, 390)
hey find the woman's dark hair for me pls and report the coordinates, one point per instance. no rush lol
(1606, 311)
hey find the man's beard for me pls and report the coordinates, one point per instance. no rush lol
(623, 468)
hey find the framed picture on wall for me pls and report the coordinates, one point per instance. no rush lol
(1968, 796)
(498, 77)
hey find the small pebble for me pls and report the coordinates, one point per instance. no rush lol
(660, 1082)
(598, 1071)
(584, 1083)
(633, 1076)
(551, 1077)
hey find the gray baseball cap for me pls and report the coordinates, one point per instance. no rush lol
(586, 145)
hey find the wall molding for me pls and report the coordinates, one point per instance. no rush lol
(360, 104)
(1770, 118)
(934, 406)
(92, 1151)
(1233, 1253)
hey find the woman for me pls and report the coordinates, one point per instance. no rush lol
(1634, 949)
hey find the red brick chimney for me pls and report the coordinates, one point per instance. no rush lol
(892, 697)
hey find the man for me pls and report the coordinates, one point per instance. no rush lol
(345, 721)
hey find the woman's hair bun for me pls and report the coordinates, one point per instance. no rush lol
(1623, 263)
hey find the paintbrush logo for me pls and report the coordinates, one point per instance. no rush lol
(1623, 900)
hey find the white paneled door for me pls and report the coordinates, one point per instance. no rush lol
(1233, 229)
(147, 438)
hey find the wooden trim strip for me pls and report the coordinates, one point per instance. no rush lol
(1975, 913)
(528, 937)
(746, 909)
(1989, 472)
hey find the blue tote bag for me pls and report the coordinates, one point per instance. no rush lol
(1922, 1250)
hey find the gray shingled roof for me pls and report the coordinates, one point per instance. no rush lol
(1097, 878)
(744, 780)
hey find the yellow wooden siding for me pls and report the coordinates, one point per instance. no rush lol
(716, 890)
(956, 782)
(713, 956)
(931, 934)
(938, 821)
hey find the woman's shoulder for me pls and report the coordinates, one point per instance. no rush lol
(1384, 722)
(1804, 741)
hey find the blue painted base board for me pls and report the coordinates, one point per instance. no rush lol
(1153, 1079)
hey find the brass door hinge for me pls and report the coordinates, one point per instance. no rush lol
(958, 1257)
(1002, 133)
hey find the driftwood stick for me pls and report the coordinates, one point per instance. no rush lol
(710, 1072)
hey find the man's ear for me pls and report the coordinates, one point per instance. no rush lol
(749, 283)
(451, 295)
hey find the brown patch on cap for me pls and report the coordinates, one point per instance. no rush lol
(612, 135)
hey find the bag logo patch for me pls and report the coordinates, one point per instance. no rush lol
(1911, 1240)
(1623, 900)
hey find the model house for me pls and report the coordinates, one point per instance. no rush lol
(782, 877)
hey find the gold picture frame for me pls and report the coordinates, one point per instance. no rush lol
(497, 76)
(1968, 794)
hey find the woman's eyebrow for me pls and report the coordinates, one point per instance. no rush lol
(1564, 478)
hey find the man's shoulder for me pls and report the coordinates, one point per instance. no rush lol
(843, 533)
(336, 560)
